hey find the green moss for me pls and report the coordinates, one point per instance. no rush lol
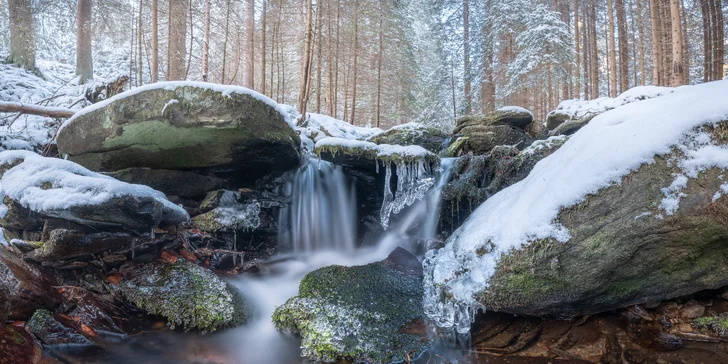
(185, 294)
(716, 324)
(355, 313)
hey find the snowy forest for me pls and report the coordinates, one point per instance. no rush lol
(436, 59)
(363, 181)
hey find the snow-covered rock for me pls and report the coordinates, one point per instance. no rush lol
(37, 188)
(624, 212)
(577, 113)
(183, 125)
(429, 138)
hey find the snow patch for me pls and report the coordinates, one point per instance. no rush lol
(515, 109)
(47, 184)
(578, 109)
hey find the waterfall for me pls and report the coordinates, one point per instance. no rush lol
(322, 213)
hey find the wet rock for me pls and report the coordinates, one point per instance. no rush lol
(169, 181)
(67, 244)
(4, 303)
(30, 288)
(186, 294)
(692, 310)
(364, 314)
(166, 126)
(51, 332)
(429, 138)
(18, 347)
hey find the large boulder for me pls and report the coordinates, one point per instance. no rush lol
(370, 313)
(185, 293)
(479, 134)
(172, 125)
(619, 215)
(429, 138)
(37, 189)
(168, 181)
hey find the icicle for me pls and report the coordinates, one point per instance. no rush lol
(153, 233)
(387, 202)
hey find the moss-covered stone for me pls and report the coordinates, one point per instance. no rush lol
(66, 244)
(186, 294)
(51, 332)
(203, 128)
(429, 138)
(624, 249)
(358, 313)
(510, 117)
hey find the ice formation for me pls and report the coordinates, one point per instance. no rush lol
(413, 181)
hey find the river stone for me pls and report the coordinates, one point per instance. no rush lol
(67, 244)
(185, 293)
(429, 138)
(170, 181)
(51, 332)
(30, 288)
(623, 250)
(171, 126)
(370, 313)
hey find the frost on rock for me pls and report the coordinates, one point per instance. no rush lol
(243, 217)
(413, 181)
(614, 144)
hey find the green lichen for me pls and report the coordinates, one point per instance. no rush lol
(355, 313)
(716, 324)
(185, 294)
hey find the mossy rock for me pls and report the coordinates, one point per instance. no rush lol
(367, 313)
(429, 138)
(571, 126)
(17, 346)
(556, 118)
(185, 293)
(68, 244)
(202, 129)
(510, 117)
(624, 250)
(479, 134)
(51, 332)
(717, 325)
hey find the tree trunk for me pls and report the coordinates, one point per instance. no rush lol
(707, 42)
(22, 34)
(176, 42)
(263, 53)
(51, 112)
(487, 88)
(250, 42)
(612, 50)
(304, 89)
(466, 52)
(140, 59)
(666, 42)
(677, 44)
(656, 49)
(319, 50)
(206, 42)
(577, 83)
(192, 40)
(640, 28)
(155, 41)
(623, 47)
(84, 37)
(719, 47)
(225, 42)
(356, 54)
(595, 52)
(379, 67)
(685, 44)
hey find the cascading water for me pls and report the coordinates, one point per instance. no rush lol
(319, 226)
(321, 215)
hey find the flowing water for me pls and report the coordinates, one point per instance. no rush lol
(319, 227)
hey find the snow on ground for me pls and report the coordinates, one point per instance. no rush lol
(578, 109)
(611, 146)
(72, 184)
(57, 88)
(319, 126)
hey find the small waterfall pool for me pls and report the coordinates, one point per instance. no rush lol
(319, 227)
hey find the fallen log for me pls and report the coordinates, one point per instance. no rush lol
(51, 112)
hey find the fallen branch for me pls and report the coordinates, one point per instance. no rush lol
(51, 112)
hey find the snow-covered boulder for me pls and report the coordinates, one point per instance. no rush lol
(36, 189)
(370, 313)
(481, 133)
(572, 115)
(429, 138)
(183, 125)
(366, 155)
(630, 209)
